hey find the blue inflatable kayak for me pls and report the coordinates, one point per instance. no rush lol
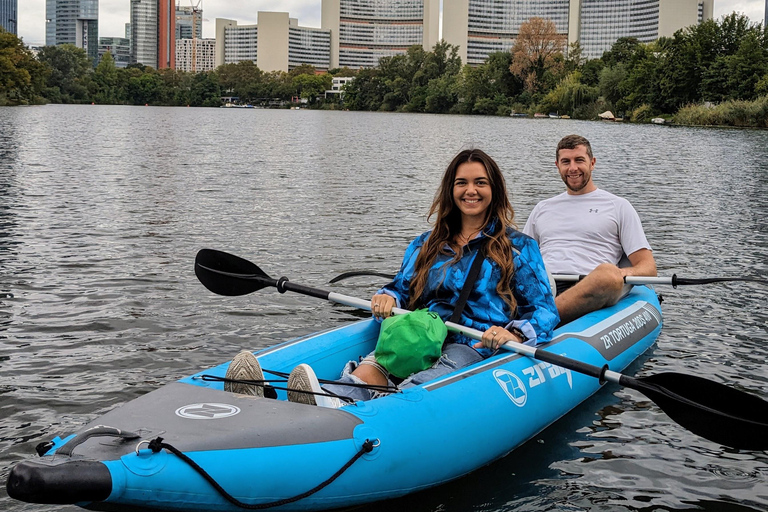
(271, 452)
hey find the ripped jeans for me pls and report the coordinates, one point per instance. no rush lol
(455, 356)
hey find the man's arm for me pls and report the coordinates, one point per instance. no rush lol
(643, 264)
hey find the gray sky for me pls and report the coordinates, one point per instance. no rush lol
(113, 14)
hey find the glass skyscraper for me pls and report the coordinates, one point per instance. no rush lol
(8, 11)
(153, 33)
(73, 22)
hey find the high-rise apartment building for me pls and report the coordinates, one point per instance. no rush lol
(73, 22)
(153, 33)
(287, 45)
(480, 27)
(195, 55)
(187, 21)
(363, 31)
(8, 15)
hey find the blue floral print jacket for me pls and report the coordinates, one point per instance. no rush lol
(536, 314)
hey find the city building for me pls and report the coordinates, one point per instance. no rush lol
(337, 86)
(119, 47)
(196, 55)
(189, 18)
(363, 31)
(289, 45)
(235, 43)
(8, 15)
(480, 27)
(73, 22)
(153, 33)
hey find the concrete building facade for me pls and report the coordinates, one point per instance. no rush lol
(9, 15)
(287, 44)
(363, 31)
(196, 55)
(235, 43)
(73, 22)
(480, 27)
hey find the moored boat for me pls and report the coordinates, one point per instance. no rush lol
(262, 450)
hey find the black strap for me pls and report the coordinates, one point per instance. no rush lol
(469, 283)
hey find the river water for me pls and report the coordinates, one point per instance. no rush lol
(102, 209)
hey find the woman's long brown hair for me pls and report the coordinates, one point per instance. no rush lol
(448, 225)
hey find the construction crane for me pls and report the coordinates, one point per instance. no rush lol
(197, 8)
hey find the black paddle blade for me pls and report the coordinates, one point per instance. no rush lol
(711, 410)
(709, 280)
(356, 273)
(230, 275)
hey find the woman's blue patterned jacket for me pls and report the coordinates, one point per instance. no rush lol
(536, 314)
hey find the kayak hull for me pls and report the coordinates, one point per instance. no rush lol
(263, 450)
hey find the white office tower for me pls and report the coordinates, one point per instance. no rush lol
(285, 44)
(363, 31)
(481, 27)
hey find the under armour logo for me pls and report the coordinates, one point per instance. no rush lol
(593, 210)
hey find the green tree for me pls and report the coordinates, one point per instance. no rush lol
(104, 84)
(311, 86)
(569, 95)
(22, 77)
(366, 91)
(204, 90)
(70, 71)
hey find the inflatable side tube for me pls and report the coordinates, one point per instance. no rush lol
(35, 481)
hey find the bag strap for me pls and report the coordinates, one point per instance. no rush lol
(469, 283)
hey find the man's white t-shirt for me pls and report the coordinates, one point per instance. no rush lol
(576, 233)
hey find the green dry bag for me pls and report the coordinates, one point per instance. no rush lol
(410, 343)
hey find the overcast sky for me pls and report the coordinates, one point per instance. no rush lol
(113, 14)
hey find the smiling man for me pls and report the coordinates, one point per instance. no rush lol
(588, 231)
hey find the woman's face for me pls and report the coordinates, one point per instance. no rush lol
(472, 190)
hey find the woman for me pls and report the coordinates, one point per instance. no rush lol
(511, 299)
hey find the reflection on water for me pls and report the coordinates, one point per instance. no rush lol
(102, 210)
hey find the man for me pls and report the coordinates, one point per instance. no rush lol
(588, 231)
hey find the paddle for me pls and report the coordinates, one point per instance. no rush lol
(567, 278)
(714, 411)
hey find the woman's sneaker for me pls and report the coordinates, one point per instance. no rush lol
(244, 366)
(303, 383)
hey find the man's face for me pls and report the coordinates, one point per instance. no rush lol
(575, 167)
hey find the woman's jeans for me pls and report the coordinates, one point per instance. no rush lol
(455, 356)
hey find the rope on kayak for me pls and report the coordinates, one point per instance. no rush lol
(267, 387)
(157, 444)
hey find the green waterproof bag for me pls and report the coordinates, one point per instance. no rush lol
(410, 343)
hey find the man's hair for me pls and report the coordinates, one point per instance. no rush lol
(570, 142)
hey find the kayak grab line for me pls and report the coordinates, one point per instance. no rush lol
(157, 444)
(269, 388)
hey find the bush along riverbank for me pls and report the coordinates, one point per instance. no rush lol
(712, 73)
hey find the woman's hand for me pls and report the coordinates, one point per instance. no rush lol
(381, 305)
(495, 337)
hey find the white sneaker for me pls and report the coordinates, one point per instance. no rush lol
(302, 383)
(244, 366)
